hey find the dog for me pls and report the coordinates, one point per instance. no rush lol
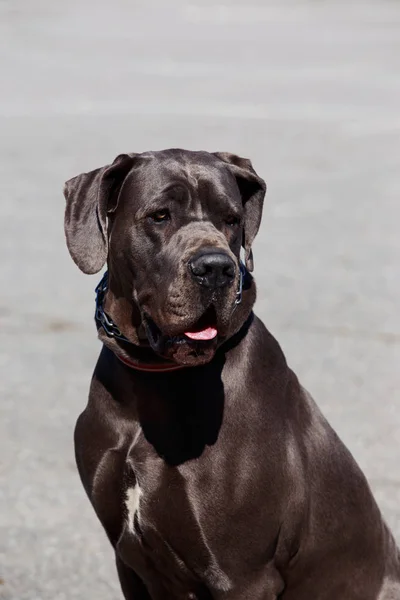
(210, 467)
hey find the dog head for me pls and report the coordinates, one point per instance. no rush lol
(170, 225)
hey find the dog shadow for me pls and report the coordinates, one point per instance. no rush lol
(181, 412)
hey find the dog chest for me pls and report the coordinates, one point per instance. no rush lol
(163, 537)
(187, 527)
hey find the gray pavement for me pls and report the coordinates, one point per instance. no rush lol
(311, 92)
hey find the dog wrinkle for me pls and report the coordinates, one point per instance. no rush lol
(198, 232)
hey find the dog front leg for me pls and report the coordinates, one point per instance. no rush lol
(132, 586)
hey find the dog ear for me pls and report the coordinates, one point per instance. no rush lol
(252, 189)
(90, 197)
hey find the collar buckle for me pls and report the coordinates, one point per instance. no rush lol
(239, 292)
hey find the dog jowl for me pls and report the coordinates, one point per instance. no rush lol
(171, 226)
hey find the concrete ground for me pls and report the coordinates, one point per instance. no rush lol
(310, 91)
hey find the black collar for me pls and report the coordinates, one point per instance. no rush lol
(101, 317)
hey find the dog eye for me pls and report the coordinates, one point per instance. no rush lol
(160, 216)
(232, 221)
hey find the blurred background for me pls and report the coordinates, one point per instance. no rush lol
(310, 91)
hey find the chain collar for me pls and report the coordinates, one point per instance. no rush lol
(101, 317)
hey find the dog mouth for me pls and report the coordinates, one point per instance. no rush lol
(201, 335)
(205, 328)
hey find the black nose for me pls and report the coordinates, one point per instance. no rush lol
(213, 269)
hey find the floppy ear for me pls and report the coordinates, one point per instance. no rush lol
(90, 197)
(252, 189)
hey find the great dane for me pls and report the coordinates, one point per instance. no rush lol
(211, 469)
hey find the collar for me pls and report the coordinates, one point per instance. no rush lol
(150, 368)
(103, 320)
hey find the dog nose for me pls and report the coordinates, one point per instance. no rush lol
(213, 269)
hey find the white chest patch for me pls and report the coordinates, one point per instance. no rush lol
(390, 590)
(132, 502)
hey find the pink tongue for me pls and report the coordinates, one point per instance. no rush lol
(207, 334)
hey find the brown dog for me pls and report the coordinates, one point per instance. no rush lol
(211, 469)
